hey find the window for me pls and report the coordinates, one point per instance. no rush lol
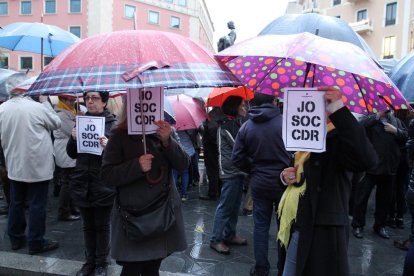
(75, 6)
(47, 60)
(336, 2)
(50, 6)
(26, 7)
(26, 63)
(154, 17)
(389, 47)
(182, 3)
(175, 22)
(362, 15)
(129, 11)
(338, 16)
(4, 62)
(391, 14)
(76, 30)
(4, 8)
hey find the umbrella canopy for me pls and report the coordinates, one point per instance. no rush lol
(188, 112)
(132, 59)
(36, 38)
(8, 81)
(402, 75)
(219, 95)
(322, 25)
(268, 63)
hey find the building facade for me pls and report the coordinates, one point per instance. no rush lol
(86, 18)
(386, 25)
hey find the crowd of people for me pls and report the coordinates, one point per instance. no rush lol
(313, 194)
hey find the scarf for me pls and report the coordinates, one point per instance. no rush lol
(64, 106)
(288, 205)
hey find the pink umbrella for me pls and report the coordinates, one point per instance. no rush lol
(188, 112)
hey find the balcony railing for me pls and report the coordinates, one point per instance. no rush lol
(362, 27)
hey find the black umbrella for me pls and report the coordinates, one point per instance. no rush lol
(321, 25)
(403, 76)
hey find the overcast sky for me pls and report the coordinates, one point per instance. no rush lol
(249, 16)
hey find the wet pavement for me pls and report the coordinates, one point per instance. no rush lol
(371, 255)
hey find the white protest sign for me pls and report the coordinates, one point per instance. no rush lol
(304, 120)
(88, 131)
(145, 106)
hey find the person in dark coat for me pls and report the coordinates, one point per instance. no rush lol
(259, 151)
(139, 178)
(319, 186)
(93, 196)
(387, 134)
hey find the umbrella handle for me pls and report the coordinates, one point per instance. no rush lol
(150, 180)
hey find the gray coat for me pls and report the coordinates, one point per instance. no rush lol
(121, 167)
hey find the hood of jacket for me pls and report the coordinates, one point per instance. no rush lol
(263, 113)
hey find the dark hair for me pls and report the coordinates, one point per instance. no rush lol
(260, 98)
(104, 95)
(231, 105)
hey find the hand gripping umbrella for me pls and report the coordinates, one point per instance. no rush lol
(268, 63)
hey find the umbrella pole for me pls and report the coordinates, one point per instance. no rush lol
(41, 54)
(144, 141)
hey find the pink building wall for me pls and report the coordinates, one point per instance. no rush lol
(122, 23)
(64, 19)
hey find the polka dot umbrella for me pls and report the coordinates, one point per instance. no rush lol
(269, 63)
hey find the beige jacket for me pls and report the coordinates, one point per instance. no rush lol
(25, 132)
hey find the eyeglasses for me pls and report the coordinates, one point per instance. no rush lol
(93, 98)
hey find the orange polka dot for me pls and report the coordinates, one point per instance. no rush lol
(340, 82)
(238, 60)
(310, 74)
(397, 107)
(252, 82)
(275, 85)
(299, 62)
(239, 72)
(356, 86)
(268, 61)
(344, 99)
(362, 103)
(330, 68)
(281, 70)
(233, 71)
(369, 108)
(371, 88)
(293, 77)
(387, 99)
(371, 102)
(256, 69)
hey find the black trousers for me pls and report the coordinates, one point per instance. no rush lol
(212, 168)
(96, 233)
(145, 268)
(382, 199)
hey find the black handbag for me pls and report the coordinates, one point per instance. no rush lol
(151, 221)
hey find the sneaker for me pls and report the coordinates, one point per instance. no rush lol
(247, 213)
(184, 198)
(48, 245)
(87, 269)
(101, 270)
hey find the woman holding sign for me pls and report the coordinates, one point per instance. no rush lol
(144, 185)
(313, 211)
(93, 196)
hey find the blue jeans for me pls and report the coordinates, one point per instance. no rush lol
(185, 174)
(227, 212)
(264, 204)
(36, 195)
(291, 256)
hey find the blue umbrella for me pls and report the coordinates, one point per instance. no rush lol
(322, 25)
(8, 80)
(403, 76)
(36, 38)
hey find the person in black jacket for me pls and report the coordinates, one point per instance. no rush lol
(314, 210)
(259, 151)
(386, 133)
(93, 196)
